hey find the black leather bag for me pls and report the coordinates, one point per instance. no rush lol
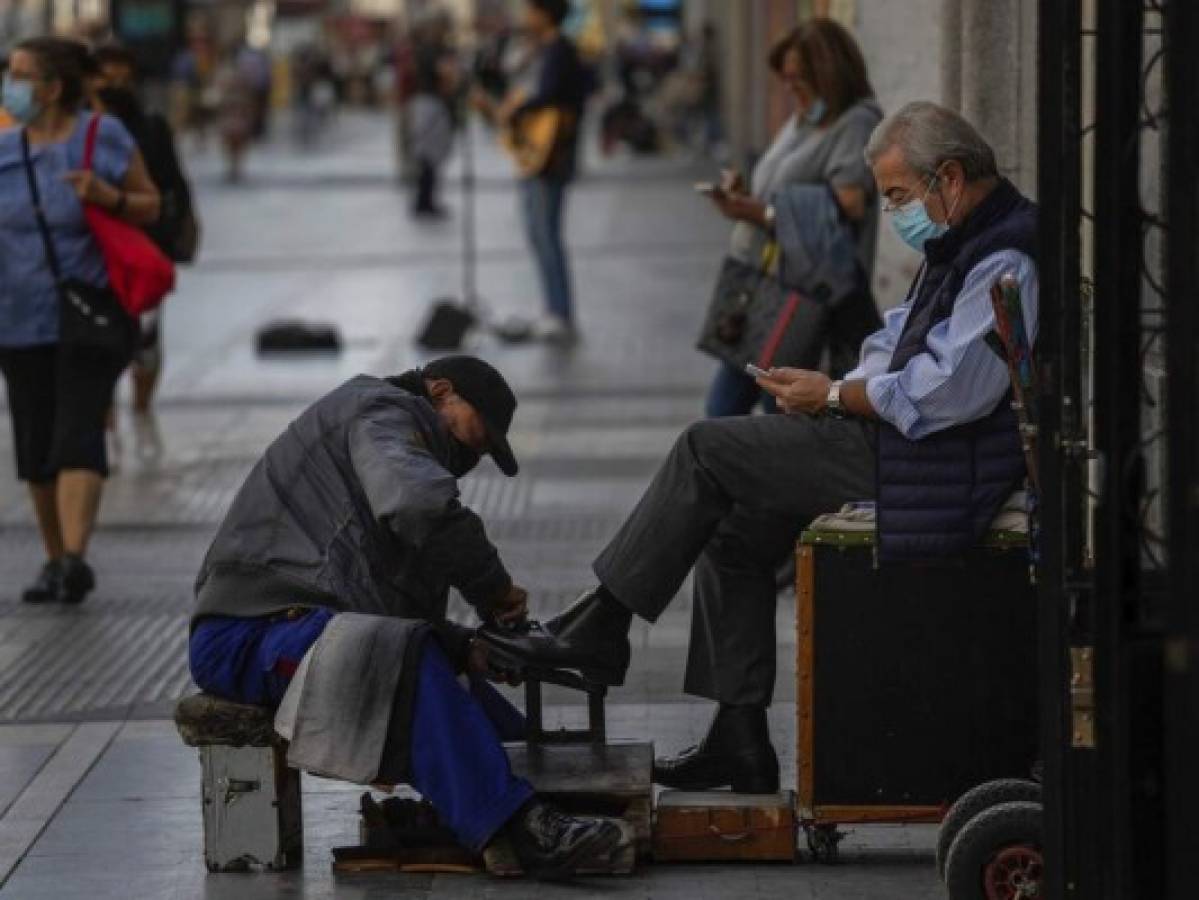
(91, 319)
(754, 319)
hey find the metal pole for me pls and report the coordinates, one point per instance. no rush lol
(1181, 670)
(1063, 592)
(469, 247)
(1118, 581)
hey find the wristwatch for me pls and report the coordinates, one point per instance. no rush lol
(832, 403)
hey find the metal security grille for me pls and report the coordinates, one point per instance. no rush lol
(1119, 175)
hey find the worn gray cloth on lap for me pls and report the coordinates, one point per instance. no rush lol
(348, 693)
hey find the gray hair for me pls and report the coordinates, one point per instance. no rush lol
(929, 135)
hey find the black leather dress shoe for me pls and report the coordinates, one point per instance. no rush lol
(551, 845)
(736, 753)
(591, 638)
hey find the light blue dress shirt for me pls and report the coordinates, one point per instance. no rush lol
(28, 298)
(958, 378)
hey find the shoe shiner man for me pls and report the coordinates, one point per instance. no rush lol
(924, 424)
(345, 539)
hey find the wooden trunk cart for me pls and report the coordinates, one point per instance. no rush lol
(915, 682)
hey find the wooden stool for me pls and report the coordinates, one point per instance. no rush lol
(251, 798)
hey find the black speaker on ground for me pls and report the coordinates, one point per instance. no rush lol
(446, 326)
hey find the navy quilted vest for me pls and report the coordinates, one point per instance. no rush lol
(937, 496)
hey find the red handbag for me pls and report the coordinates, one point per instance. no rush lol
(139, 273)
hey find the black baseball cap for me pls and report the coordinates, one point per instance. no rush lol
(480, 385)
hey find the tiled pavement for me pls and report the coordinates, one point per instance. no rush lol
(98, 798)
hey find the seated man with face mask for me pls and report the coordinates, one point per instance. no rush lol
(325, 589)
(923, 424)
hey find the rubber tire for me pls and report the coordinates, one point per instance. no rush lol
(974, 801)
(992, 830)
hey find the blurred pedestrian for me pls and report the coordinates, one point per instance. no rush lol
(706, 68)
(431, 109)
(194, 97)
(235, 112)
(557, 81)
(254, 65)
(821, 144)
(176, 232)
(6, 121)
(58, 392)
(315, 95)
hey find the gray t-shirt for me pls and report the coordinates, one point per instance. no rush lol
(805, 154)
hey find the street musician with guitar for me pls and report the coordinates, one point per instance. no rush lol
(539, 120)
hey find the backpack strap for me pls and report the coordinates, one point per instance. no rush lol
(43, 226)
(89, 144)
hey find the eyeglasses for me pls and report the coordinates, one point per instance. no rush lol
(891, 205)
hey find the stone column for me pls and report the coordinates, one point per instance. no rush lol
(989, 75)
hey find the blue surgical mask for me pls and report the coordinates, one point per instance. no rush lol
(913, 225)
(17, 98)
(814, 114)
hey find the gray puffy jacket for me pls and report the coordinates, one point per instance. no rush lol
(352, 508)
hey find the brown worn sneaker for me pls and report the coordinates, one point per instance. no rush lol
(552, 845)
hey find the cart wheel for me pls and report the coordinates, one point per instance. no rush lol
(824, 843)
(997, 855)
(974, 801)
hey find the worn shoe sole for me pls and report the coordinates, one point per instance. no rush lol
(762, 785)
(601, 842)
(503, 659)
(739, 782)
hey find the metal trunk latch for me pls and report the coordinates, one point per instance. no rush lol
(1082, 697)
(233, 788)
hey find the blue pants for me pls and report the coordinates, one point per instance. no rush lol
(735, 393)
(457, 760)
(542, 202)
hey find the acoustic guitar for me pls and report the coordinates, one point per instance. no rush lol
(530, 137)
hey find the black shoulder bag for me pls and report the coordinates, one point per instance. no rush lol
(91, 318)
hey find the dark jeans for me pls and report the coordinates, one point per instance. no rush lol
(730, 500)
(426, 187)
(735, 393)
(543, 200)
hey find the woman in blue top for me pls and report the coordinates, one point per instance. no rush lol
(58, 395)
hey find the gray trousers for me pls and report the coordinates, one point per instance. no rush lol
(730, 501)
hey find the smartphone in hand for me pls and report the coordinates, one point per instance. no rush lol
(753, 370)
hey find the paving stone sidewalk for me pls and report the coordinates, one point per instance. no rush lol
(98, 797)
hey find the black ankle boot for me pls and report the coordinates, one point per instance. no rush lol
(78, 580)
(46, 586)
(552, 845)
(736, 753)
(591, 637)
